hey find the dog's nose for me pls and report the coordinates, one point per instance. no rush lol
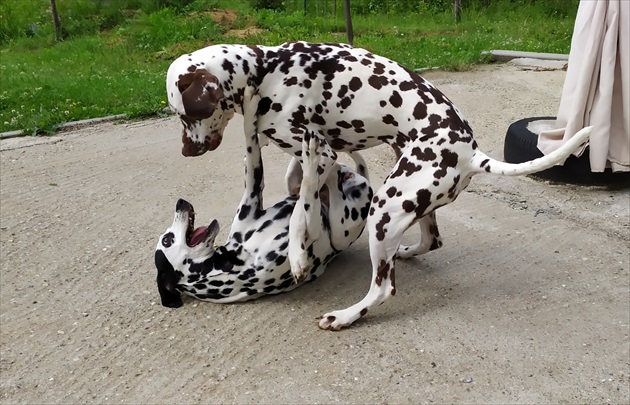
(183, 205)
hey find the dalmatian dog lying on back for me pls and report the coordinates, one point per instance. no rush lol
(355, 100)
(253, 261)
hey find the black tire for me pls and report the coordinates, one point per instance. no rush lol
(520, 146)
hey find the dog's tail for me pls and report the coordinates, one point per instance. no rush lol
(482, 163)
(361, 165)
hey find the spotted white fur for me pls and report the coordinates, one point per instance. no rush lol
(253, 261)
(355, 100)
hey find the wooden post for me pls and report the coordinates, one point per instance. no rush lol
(55, 16)
(457, 10)
(349, 31)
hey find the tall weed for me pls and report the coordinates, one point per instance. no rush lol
(159, 30)
(19, 18)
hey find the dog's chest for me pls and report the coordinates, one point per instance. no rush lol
(265, 238)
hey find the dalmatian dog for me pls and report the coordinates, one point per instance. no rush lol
(355, 100)
(253, 261)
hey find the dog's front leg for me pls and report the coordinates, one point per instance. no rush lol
(306, 220)
(252, 200)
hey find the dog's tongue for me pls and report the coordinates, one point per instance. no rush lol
(198, 235)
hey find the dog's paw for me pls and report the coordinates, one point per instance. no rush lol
(299, 266)
(334, 320)
(407, 252)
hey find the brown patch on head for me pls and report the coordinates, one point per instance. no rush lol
(200, 93)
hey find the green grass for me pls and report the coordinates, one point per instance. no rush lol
(118, 69)
(76, 80)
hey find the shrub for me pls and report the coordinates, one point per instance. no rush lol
(267, 4)
(20, 18)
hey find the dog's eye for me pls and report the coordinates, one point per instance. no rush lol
(167, 240)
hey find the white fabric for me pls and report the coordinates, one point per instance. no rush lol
(597, 85)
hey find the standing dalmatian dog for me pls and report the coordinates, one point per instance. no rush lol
(253, 261)
(355, 100)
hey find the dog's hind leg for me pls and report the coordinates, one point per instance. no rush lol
(430, 238)
(394, 208)
(305, 225)
(386, 225)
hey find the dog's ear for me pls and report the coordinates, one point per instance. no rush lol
(324, 195)
(167, 279)
(201, 93)
(213, 231)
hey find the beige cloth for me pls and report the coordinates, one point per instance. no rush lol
(597, 85)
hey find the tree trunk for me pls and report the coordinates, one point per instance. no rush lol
(349, 30)
(55, 16)
(457, 10)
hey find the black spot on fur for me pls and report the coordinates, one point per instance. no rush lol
(264, 105)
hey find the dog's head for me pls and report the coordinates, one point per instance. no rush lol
(181, 246)
(196, 95)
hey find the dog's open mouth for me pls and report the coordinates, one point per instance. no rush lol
(194, 236)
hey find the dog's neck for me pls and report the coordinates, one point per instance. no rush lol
(237, 73)
(223, 264)
(223, 276)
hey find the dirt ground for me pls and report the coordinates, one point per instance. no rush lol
(527, 302)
